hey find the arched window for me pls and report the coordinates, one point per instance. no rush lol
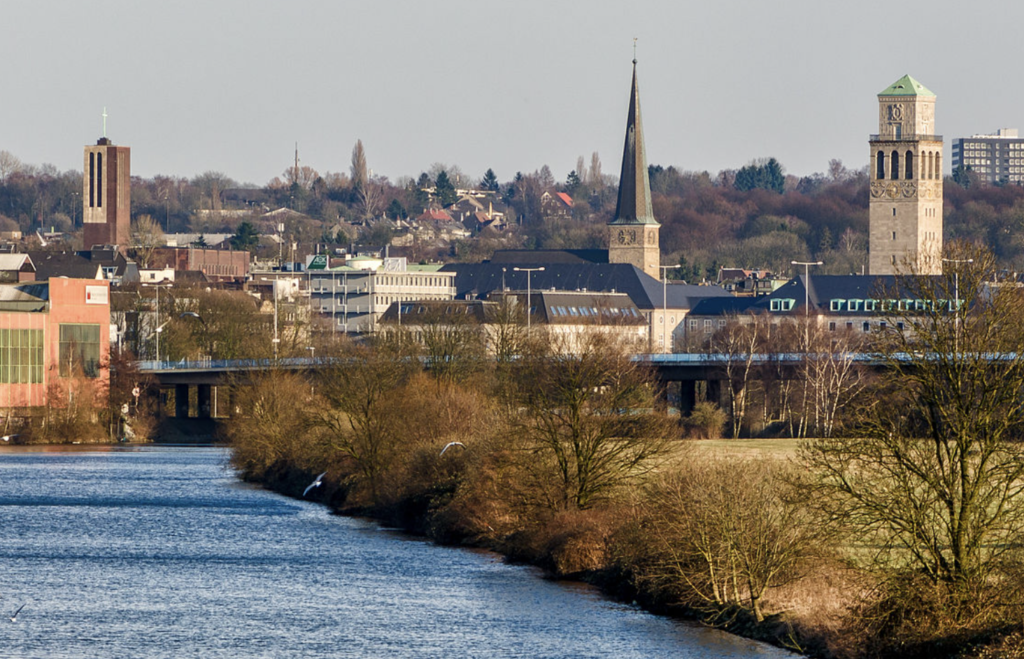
(909, 174)
(895, 165)
(938, 165)
(880, 167)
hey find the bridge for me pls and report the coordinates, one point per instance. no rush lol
(684, 371)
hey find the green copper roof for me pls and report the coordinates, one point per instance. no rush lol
(906, 86)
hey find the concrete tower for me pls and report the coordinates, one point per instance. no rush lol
(633, 234)
(106, 194)
(905, 215)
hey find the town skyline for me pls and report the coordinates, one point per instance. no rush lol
(194, 88)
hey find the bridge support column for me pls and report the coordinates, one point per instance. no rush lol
(715, 392)
(687, 396)
(181, 401)
(205, 399)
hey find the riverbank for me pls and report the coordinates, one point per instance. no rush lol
(562, 553)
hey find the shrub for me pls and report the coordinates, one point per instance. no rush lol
(706, 421)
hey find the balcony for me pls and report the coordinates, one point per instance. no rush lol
(910, 137)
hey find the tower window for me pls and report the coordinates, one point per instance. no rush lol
(880, 167)
(99, 180)
(895, 165)
(894, 212)
(92, 180)
(894, 235)
(909, 173)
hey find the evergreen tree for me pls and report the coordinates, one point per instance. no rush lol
(444, 191)
(490, 181)
(247, 237)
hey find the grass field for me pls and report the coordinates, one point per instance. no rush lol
(750, 448)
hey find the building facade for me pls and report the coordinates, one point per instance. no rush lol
(355, 299)
(905, 216)
(106, 194)
(50, 334)
(997, 158)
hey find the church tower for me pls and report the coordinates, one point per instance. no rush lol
(106, 194)
(905, 216)
(633, 234)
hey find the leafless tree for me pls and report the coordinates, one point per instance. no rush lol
(360, 172)
(9, 164)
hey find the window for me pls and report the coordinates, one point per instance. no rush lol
(693, 324)
(21, 356)
(836, 305)
(79, 348)
(832, 326)
(865, 326)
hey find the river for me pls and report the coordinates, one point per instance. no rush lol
(162, 552)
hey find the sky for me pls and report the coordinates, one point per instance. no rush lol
(232, 86)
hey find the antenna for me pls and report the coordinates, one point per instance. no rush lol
(296, 162)
(634, 50)
(104, 121)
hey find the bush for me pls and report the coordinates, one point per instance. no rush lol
(706, 421)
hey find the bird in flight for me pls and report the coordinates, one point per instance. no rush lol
(317, 483)
(14, 616)
(8, 438)
(451, 444)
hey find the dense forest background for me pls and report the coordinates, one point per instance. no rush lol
(753, 217)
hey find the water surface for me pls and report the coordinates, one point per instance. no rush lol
(161, 552)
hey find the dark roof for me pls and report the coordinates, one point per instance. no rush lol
(634, 204)
(541, 256)
(477, 280)
(63, 264)
(820, 292)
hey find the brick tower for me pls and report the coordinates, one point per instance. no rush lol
(106, 194)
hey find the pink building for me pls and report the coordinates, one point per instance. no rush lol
(49, 332)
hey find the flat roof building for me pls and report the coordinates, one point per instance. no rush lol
(997, 158)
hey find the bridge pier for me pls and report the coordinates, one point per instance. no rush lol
(181, 401)
(687, 396)
(205, 399)
(715, 392)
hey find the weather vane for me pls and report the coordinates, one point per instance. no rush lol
(105, 109)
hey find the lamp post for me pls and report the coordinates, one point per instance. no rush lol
(664, 301)
(206, 328)
(312, 353)
(159, 326)
(528, 272)
(956, 295)
(158, 330)
(276, 340)
(807, 273)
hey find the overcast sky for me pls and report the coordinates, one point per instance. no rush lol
(232, 85)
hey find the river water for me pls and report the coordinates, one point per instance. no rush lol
(161, 552)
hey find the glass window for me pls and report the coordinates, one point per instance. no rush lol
(79, 349)
(21, 356)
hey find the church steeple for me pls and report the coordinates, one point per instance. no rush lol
(633, 234)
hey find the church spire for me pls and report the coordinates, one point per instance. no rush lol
(634, 204)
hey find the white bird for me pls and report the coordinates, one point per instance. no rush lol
(451, 444)
(317, 483)
(8, 438)
(14, 616)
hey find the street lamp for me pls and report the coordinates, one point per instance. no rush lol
(158, 330)
(273, 284)
(528, 272)
(956, 295)
(664, 300)
(312, 353)
(160, 327)
(807, 273)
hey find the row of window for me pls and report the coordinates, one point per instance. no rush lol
(887, 166)
(865, 326)
(21, 353)
(854, 305)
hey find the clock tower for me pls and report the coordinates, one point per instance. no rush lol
(633, 234)
(905, 216)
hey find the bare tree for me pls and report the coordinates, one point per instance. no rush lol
(581, 170)
(9, 164)
(595, 169)
(360, 173)
(146, 236)
(934, 477)
(591, 413)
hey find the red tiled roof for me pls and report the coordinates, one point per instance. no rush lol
(565, 198)
(433, 214)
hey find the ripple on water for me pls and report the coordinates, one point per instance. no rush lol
(160, 553)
